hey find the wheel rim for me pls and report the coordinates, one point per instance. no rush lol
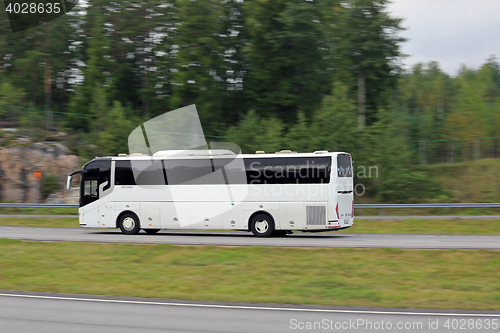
(261, 226)
(128, 223)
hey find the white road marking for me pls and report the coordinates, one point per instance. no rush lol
(242, 307)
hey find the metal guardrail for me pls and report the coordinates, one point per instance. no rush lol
(34, 205)
(375, 206)
(438, 205)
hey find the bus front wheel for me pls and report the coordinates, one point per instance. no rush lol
(262, 225)
(129, 224)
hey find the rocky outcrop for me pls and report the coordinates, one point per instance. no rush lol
(17, 182)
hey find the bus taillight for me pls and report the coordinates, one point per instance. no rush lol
(337, 210)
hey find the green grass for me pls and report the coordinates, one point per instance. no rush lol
(465, 279)
(407, 226)
(59, 222)
(476, 181)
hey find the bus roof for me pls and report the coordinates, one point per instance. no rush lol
(222, 154)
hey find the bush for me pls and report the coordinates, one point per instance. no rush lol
(49, 185)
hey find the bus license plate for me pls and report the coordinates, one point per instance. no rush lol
(346, 221)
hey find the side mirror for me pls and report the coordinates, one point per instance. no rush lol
(68, 183)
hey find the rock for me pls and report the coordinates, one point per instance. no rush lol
(10, 130)
(55, 198)
(17, 182)
(23, 140)
(53, 148)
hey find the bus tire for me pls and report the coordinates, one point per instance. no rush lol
(129, 224)
(151, 231)
(262, 225)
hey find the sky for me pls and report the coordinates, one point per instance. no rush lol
(451, 32)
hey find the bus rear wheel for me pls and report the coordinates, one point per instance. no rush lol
(151, 231)
(129, 224)
(262, 225)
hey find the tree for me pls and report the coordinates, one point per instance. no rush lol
(370, 49)
(287, 57)
(468, 118)
(493, 64)
(334, 125)
(97, 78)
(39, 60)
(299, 135)
(397, 179)
(198, 78)
(116, 128)
(425, 95)
(10, 95)
(254, 133)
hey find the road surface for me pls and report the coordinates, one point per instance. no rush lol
(41, 312)
(247, 239)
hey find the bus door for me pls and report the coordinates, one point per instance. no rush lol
(344, 189)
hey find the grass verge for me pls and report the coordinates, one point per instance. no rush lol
(59, 222)
(465, 279)
(407, 226)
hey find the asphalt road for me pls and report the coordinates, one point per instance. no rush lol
(247, 239)
(38, 312)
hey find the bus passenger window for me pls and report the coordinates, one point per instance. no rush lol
(123, 173)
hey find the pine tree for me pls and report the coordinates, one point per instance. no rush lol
(287, 57)
(370, 46)
(299, 135)
(197, 79)
(334, 125)
(113, 139)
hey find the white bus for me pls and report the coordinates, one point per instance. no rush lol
(278, 193)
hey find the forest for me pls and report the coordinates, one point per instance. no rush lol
(268, 75)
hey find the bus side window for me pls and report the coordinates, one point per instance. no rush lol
(149, 173)
(188, 172)
(123, 173)
(265, 170)
(233, 170)
(308, 170)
